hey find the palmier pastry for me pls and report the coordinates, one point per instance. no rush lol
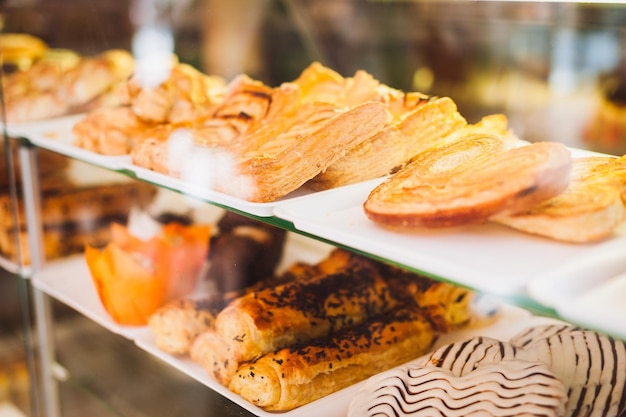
(590, 208)
(470, 181)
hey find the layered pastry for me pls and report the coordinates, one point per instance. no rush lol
(71, 217)
(75, 208)
(301, 373)
(589, 209)
(283, 346)
(184, 97)
(470, 181)
(64, 83)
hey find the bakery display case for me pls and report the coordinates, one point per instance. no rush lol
(277, 208)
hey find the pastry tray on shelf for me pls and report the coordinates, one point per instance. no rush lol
(490, 258)
(56, 135)
(588, 291)
(68, 281)
(487, 257)
(512, 320)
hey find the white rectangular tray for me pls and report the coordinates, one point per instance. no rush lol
(589, 291)
(56, 135)
(512, 321)
(488, 257)
(69, 281)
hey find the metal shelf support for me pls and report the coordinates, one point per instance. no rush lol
(48, 385)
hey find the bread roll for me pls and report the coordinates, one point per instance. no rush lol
(302, 373)
(177, 325)
(94, 76)
(108, 130)
(65, 83)
(470, 181)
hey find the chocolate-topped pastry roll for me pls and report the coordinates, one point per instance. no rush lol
(301, 373)
(273, 318)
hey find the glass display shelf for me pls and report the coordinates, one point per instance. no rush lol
(488, 258)
(548, 66)
(504, 265)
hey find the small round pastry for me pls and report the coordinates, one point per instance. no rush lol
(591, 366)
(532, 334)
(464, 356)
(506, 388)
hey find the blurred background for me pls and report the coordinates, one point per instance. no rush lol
(551, 67)
(557, 70)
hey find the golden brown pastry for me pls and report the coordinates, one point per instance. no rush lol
(186, 95)
(322, 84)
(71, 215)
(31, 94)
(262, 143)
(66, 83)
(308, 148)
(455, 304)
(590, 208)
(417, 130)
(417, 123)
(469, 181)
(267, 320)
(177, 324)
(246, 102)
(20, 50)
(94, 76)
(108, 130)
(302, 373)
(145, 115)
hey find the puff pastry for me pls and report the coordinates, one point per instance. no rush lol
(267, 320)
(417, 130)
(302, 373)
(590, 208)
(176, 325)
(66, 83)
(470, 181)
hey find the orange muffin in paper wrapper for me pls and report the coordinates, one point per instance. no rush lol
(134, 277)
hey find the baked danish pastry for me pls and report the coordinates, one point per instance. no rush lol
(470, 181)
